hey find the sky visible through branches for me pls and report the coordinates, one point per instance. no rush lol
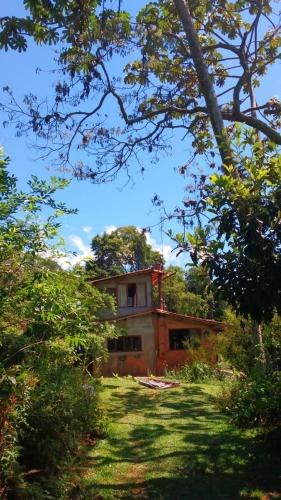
(120, 203)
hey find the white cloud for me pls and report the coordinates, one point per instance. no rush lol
(78, 243)
(87, 229)
(81, 249)
(165, 250)
(109, 229)
(66, 261)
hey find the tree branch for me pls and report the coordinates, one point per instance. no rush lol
(254, 122)
(204, 79)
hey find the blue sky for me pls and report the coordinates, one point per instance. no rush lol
(101, 207)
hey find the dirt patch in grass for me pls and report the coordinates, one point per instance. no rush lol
(136, 475)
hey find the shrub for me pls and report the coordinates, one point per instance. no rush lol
(272, 342)
(197, 372)
(202, 351)
(255, 401)
(9, 448)
(236, 344)
(64, 407)
(15, 403)
(194, 373)
(48, 400)
(43, 419)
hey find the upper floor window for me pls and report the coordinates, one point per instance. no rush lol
(132, 295)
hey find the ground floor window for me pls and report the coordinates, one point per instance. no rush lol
(127, 343)
(182, 338)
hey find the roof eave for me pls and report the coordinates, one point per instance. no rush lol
(168, 313)
(125, 275)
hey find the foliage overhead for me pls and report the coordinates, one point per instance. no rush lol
(170, 52)
(241, 245)
(159, 89)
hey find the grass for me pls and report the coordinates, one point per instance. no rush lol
(174, 444)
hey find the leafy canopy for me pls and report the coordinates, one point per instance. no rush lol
(123, 250)
(159, 88)
(178, 299)
(241, 245)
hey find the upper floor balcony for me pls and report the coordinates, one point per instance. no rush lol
(134, 292)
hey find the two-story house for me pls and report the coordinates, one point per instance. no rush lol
(155, 338)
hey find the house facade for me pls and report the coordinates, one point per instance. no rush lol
(155, 338)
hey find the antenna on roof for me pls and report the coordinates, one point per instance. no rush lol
(161, 291)
(161, 233)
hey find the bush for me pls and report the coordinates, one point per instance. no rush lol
(9, 448)
(255, 401)
(64, 407)
(272, 342)
(236, 344)
(48, 399)
(43, 420)
(202, 351)
(14, 406)
(195, 373)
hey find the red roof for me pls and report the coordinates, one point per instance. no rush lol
(149, 270)
(162, 312)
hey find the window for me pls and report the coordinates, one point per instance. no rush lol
(131, 295)
(179, 339)
(130, 343)
(111, 291)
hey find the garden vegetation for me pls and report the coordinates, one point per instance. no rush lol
(190, 68)
(50, 345)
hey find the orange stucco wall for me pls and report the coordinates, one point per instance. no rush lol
(172, 359)
(156, 355)
(123, 364)
(134, 363)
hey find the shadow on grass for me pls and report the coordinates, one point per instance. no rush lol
(213, 461)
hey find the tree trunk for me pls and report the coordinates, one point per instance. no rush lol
(258, 341)
(205, 81)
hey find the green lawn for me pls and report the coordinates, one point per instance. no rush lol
(174, 444)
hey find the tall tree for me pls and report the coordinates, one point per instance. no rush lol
(199, 283)
(179, 299)
(241, 244)
(123, 250)
(189, 66)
